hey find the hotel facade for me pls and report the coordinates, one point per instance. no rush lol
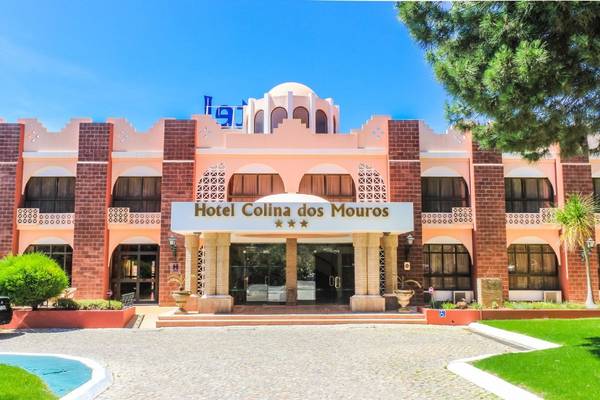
(282, 208)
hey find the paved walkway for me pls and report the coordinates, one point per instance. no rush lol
(294, 362)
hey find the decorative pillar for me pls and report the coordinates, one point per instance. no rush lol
(366, 274)
(267, 114)
(223, 242)
(191, 263)
(390, 251)
(373, 282)
(11, 173)
(216, 298)
(291, 270)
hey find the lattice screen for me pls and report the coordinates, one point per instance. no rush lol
(381, 271)
(201, 269)
(211, 187)
(371, 187)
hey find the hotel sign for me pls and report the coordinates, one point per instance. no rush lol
(342, 218)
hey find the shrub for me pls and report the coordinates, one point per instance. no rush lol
(99, 305)
(30, 279)
(66, 304)
(448, 306)
(541, 305)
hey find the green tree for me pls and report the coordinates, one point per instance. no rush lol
(522, 75)
(30, 279)
(576, 219)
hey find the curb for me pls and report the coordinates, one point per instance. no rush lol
(492, 383)
(101, 378)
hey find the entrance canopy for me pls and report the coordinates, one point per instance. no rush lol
(291, 213)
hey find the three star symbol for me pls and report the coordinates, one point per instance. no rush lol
(291, 223)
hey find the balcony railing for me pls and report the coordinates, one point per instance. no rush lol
(122, 216)
(33, 217)
(458, 216)
(544, 217)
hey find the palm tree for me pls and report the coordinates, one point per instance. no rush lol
(576, 219)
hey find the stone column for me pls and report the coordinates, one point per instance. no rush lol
(366, 274)
(291, 270)
(390, 250)
(373, 280)
(223, 241)
(191, 263)
(216, 298)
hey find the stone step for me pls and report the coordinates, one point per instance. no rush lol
(161, 323)
(259, 317)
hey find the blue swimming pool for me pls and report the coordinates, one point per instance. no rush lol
(62, 375)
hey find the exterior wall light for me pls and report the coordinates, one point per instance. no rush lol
(590, 243)
(410, 239)
(512, 268)
(173, 245)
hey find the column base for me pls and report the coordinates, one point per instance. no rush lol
(215, 304)
(391, 302)
(367, 303)
(192, 303)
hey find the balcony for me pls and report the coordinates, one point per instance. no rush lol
(121, 217)
(459, 216)
(28, 218)
(545, 217)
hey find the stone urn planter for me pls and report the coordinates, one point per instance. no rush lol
(180, 296)
(404, 294)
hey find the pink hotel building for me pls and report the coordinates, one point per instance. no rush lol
(120, 210)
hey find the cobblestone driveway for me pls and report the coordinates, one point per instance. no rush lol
(295, 362)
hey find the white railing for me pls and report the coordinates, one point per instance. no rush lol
(33, 217)
(122, 216)
(544, 216)
(459, 215)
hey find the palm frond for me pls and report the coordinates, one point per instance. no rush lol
(576, 219)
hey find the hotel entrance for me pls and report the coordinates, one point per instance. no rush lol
(325, 273)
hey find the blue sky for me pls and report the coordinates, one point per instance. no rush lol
(144, 60)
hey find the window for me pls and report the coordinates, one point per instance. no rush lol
(446, 267)
(528, 195)
(51, 194)
(441, 194)
(333, 187)
(535, 267)
(250, 187)
(139, 194)
(259, 122)
(61, 253)
(597, 192)
(277, 117)
(321, 122)
(301, 113)
(135, 269)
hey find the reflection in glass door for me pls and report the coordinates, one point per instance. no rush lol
(257, 273)
(325, 273)
(134, 269)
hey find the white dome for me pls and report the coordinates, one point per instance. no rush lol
(291, 198)
(297, 88)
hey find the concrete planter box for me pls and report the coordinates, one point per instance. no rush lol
(451, 317)
(533, 314)
(28, 319)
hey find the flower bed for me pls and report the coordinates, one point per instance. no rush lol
(56, 318)
(451, 317)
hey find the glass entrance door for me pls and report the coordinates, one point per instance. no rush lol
(325, 273)
(257, 273)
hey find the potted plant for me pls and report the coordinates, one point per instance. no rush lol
(404, 294)
(181, 295)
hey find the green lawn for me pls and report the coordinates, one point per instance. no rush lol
(569, 372)
(18, 384)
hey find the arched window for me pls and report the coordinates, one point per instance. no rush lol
(51, 194)
(528, 195)
(277, 117)
(250, 187)
(135, 269)
(441, 194)
(61, 253)
(321, 122)
(259, 122)
(333, 187)
(138, 193)
(301, 113)
(446, 267)
(532, 267)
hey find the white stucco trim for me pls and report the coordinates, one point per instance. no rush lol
(141, 171)
(137, 154)
(53, 171)
(525, 172)
(440, 172)
(50, 240)
(492, 383)
(100, 381)
(50, 154)
(442, 240)
(256, 169)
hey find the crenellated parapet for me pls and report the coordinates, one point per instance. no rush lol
(38, 138)
(127, 138)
